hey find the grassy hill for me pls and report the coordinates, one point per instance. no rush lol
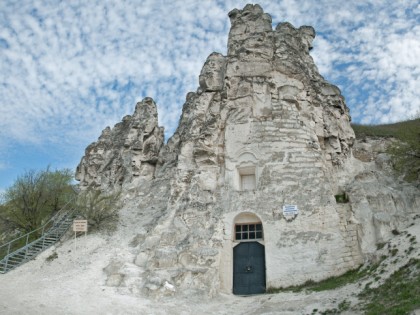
(405, 153)
(400, 130)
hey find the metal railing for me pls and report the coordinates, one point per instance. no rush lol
(24, 240)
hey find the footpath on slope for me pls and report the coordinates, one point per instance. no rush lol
(69, 278)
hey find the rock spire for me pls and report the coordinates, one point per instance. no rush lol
(263, 133)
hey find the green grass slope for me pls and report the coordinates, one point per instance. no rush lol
(405, 152)
(402, 130)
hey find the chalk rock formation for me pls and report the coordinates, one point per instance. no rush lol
(380, 202)
(261, 150)
(128, 153)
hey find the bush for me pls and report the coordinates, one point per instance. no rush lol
(99, 208)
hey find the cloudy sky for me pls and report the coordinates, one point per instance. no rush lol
(68, 69)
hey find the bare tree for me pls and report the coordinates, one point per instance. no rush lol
(99, 208)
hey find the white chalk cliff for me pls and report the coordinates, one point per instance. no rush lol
(264, 130)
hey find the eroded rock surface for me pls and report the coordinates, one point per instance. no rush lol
(382, 203)
(264, 130)
(125, 154)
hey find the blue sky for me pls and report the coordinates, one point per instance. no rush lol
(68, 69)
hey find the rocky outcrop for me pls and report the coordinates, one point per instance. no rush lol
(280, 60)
(264, 130)
(382, 203)
(212, 76)
(125, 154)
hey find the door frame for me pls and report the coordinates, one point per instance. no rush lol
(247, 218)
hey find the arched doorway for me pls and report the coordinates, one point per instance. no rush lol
(248, 255)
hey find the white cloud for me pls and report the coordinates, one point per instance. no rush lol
(70, 69)
(3, 165)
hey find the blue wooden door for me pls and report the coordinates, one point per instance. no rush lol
(248, 268)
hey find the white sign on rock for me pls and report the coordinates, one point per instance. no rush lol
(290, 210)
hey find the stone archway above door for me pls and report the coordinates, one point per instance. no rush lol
(247, 226)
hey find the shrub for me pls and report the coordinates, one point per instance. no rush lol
(34, 197)
(99, 208)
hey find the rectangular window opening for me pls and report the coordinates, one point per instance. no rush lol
(248, 182)
(247, 178)
(248, 231)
